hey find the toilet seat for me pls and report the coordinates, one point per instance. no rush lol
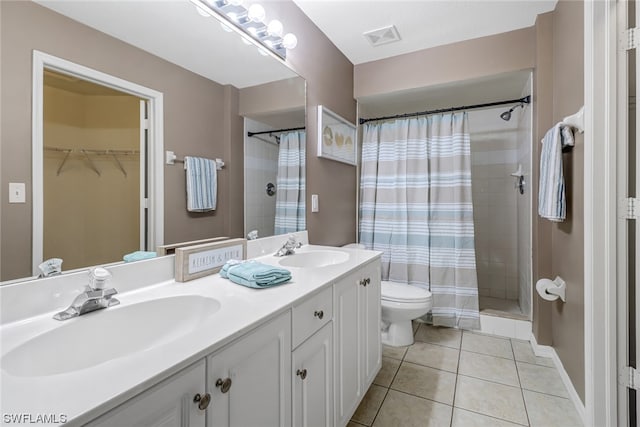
(403, 293)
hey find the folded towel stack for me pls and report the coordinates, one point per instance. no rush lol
(138, 256)
(254, 274)
(552, 203)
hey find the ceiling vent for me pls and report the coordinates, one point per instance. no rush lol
(382, 35)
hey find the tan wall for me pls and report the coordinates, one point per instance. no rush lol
(281, 95)
(329, 76)
(193, 118)
(560, 246)
(110, 224)
(470, 59)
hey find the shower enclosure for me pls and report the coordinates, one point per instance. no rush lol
(500, 162)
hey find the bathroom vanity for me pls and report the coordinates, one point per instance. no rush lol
(303, 353)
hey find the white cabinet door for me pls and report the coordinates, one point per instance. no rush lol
(250, 379)
(358, 350)
(370, 334)
(168, 404)
(347, 321)
(313, 380)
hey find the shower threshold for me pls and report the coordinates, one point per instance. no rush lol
(501, 307)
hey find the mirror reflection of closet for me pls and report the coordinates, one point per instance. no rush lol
(92, 164)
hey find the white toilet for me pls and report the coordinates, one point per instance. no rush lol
(401, 304)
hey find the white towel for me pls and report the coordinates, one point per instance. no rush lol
(201, 184)
(552, 203)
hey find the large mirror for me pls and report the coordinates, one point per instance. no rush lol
(220, 99)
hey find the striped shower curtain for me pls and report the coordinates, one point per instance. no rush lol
(415, 207)
(290, 184)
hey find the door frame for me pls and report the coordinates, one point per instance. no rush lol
(155, 173)
(600, 211)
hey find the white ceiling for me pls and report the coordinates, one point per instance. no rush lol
(421, 23)
(174, 31)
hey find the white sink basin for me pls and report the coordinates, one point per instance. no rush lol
(108, 334)
(314, 259)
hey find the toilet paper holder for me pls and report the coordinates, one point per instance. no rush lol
(551, 290)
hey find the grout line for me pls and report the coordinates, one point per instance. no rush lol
(524, 402)
(489, 381)
(455, 385)
(422, 397)
(489, 416)
(386, 393)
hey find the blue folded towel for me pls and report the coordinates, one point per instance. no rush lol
(139, 256)
(254, 274)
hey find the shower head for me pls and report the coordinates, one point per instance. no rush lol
(506, 116)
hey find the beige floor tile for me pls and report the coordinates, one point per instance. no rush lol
(486, 344)
(354, 424)
(394, 352)
(489, 368)
(545, 410)
(370, 404)
(541, 379)
(403, 410)
(449, 337)
(492, 399)
(524, 353)
(387, 372)
(425, 382)
(462, 418)
(434, 356)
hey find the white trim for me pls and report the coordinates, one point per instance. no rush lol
(43, 60)
(600, 205)
(550, 352)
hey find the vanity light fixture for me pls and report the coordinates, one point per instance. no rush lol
(250, 22)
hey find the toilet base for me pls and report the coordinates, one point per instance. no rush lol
(399, 334)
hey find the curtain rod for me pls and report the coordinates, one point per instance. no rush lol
(525, 100)
(274, 131)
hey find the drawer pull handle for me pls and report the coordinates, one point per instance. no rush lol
(319, 314)
(202, 401)
(302, 373)
(224, 385)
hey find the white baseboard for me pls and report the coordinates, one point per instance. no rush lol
(548, 351)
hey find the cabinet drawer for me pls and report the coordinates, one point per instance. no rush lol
(311, 315)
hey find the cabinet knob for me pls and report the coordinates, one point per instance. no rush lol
(202, 401)
(224, 385)
(363, 282)
(318, 314)
(367, 281)
(302, 373)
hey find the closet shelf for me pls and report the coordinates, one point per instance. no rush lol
(85, 152)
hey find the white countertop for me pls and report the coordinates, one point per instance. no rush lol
(84, 394)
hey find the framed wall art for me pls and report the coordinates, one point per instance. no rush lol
(336, 137)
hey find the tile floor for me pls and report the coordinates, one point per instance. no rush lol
(463, 379)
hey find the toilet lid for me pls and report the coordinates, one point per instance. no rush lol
(401, 292)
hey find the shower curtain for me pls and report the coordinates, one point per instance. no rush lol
(415, 207)
(290, 184)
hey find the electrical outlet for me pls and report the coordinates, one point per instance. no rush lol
(17, 192)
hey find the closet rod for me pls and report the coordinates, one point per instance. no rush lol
(525, 100)
(274, 131)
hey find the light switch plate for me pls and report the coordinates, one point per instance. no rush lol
(314, 203)
(17, 192)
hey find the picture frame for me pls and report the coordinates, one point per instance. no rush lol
(336, 137)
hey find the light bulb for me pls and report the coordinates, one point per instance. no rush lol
(234, 2)
(289, 41)
(233, 16)
(256, 13)
(275, 28)
(202, 11)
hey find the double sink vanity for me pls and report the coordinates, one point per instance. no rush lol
(206, 352)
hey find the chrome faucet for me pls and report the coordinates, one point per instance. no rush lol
(95, 296)
(289, 247)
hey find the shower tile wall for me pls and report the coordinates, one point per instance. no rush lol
(261, 166)
(494, 155)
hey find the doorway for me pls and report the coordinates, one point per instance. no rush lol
(97, 165)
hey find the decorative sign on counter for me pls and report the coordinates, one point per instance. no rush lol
(202, 260)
